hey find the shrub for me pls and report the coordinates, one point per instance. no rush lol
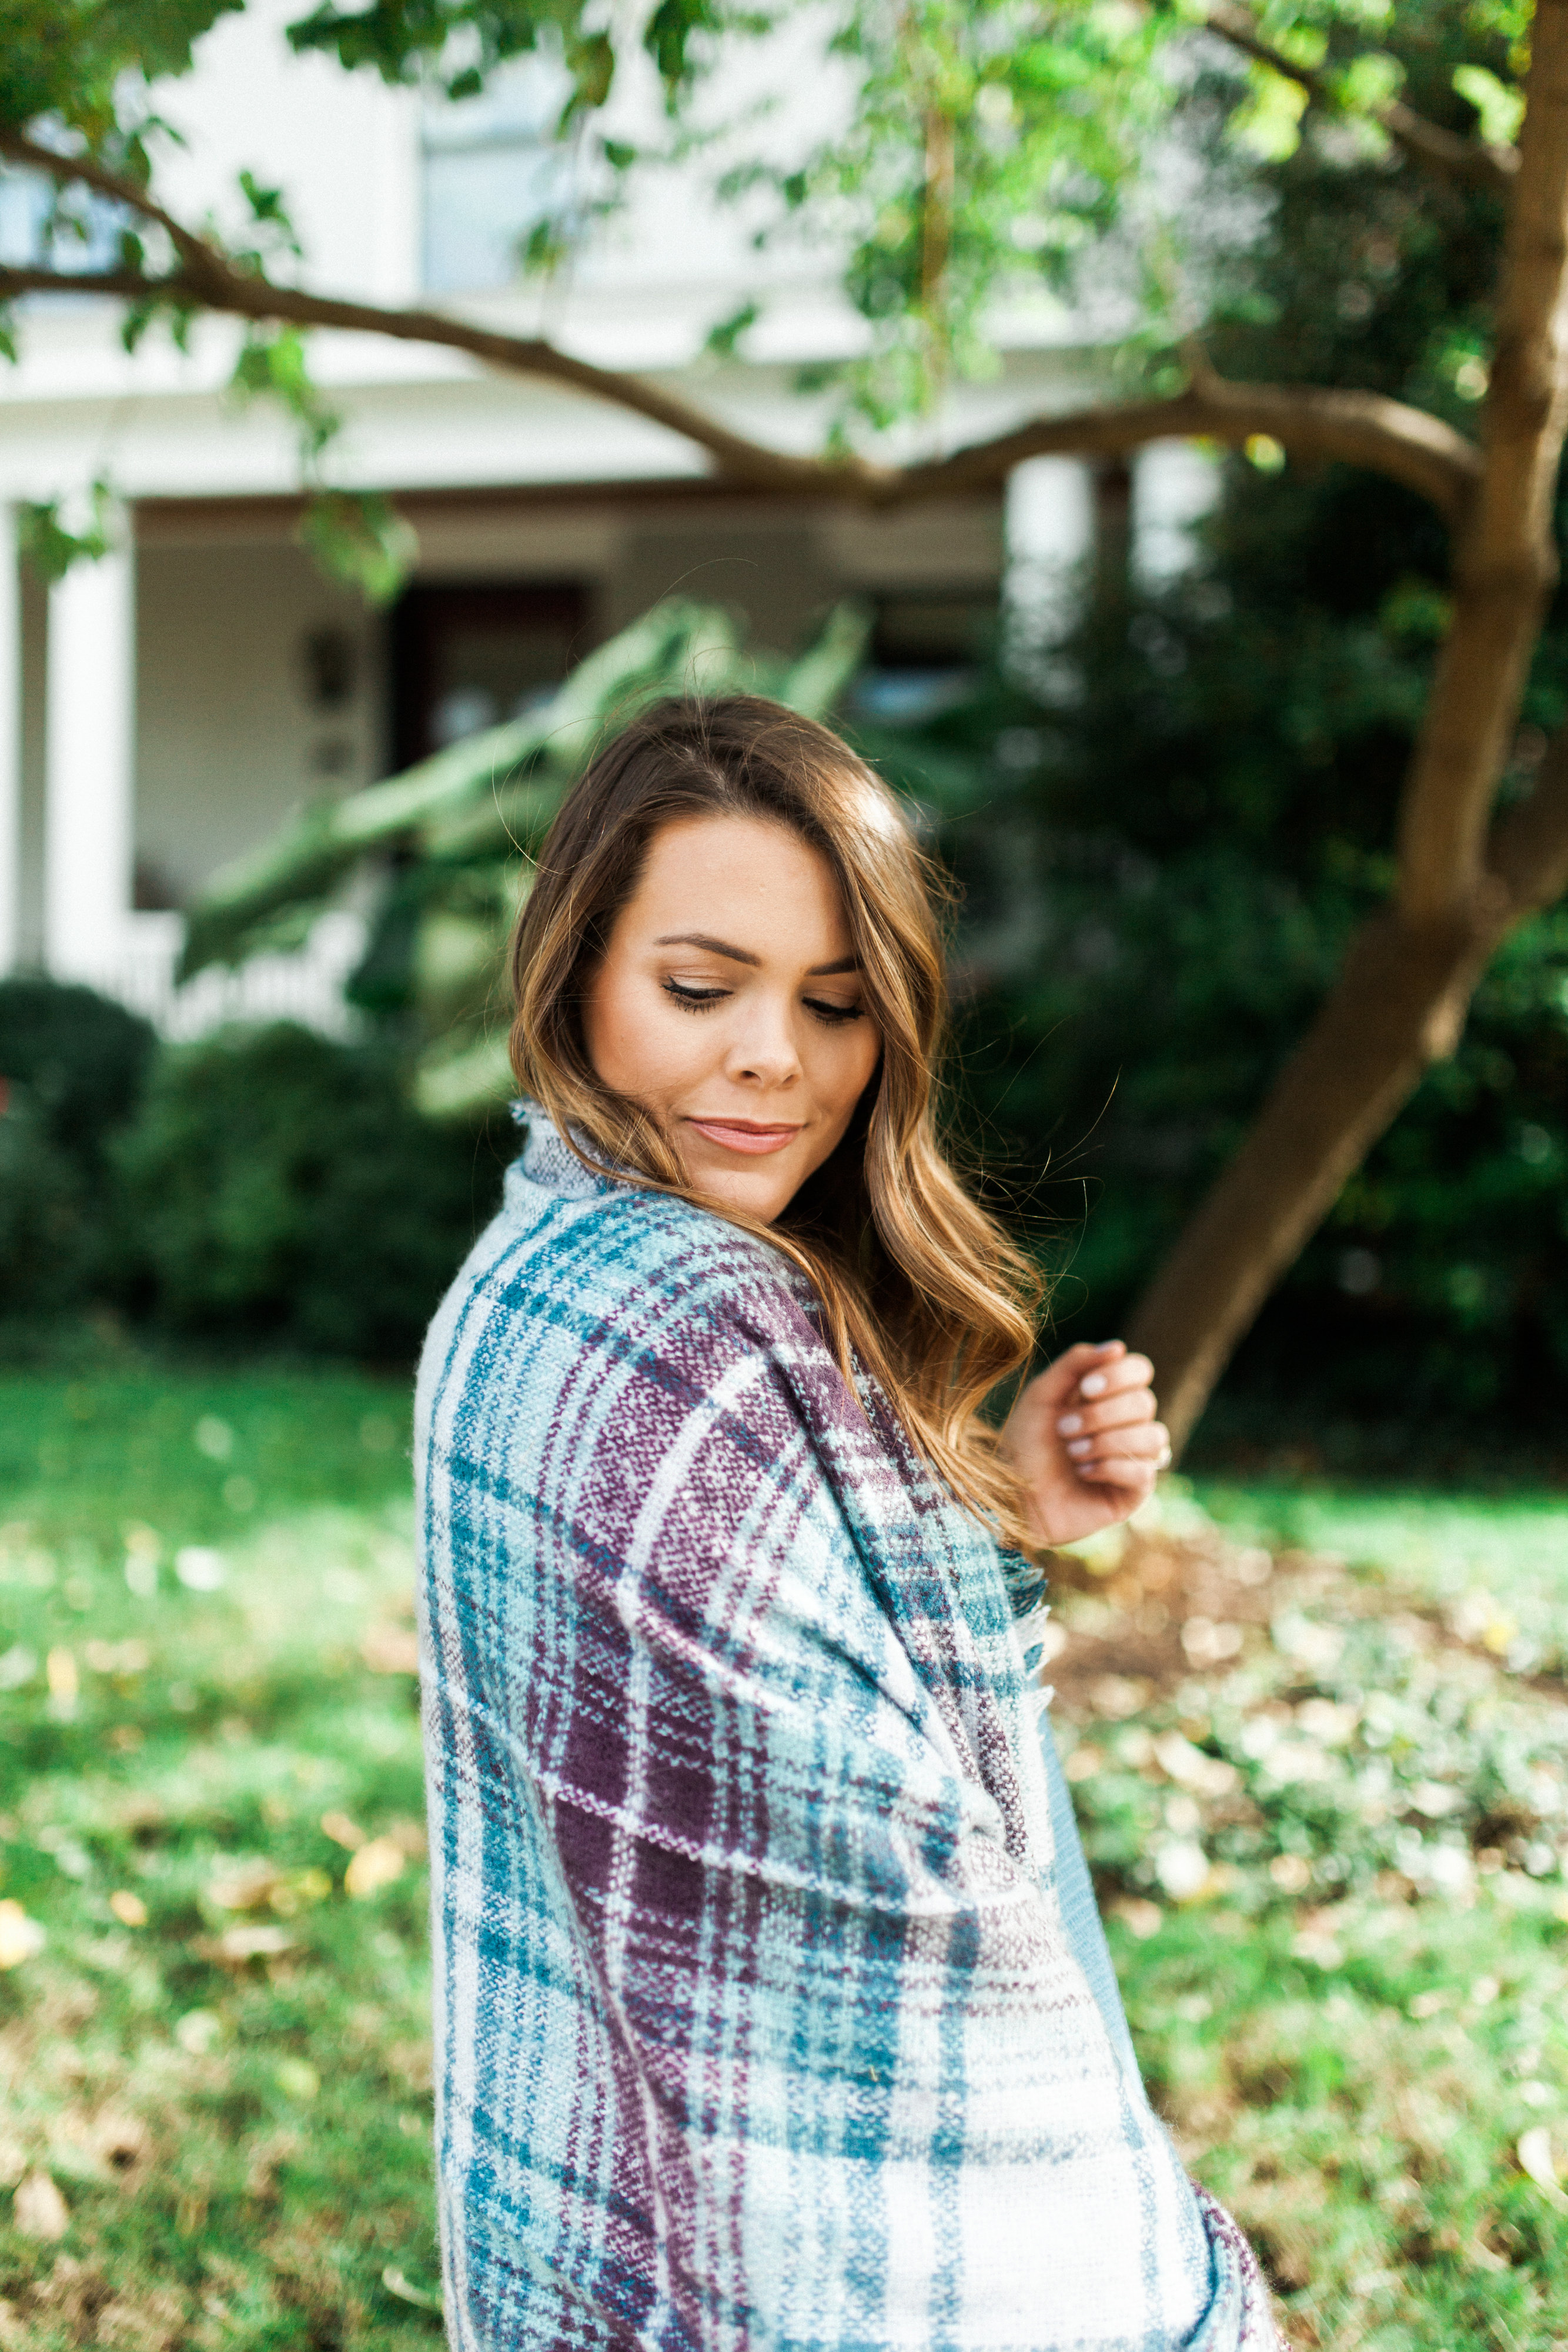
(281, 1188)
(83, 1060)
(74, 1065)
(49, 1253)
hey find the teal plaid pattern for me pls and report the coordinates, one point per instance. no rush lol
(771, 2007)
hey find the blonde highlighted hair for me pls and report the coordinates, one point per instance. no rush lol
(914, 1276)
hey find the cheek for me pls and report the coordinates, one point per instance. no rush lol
(850, 1066)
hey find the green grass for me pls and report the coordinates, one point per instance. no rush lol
(242, 2143)
(1444, 1542)
(219, 2056)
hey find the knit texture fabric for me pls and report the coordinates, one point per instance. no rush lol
(759, 2021)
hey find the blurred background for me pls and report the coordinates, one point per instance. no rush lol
(1154, 710)
(301, 640)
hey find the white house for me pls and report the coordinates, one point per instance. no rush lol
(162, 708)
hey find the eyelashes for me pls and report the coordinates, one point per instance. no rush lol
(696, 1000)
(702, 999)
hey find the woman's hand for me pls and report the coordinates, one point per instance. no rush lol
(1086, 1441)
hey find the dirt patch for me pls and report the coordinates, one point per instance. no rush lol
(1146, 1611)
(1138, 1618)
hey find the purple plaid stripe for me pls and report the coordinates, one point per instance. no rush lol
(758, 2023)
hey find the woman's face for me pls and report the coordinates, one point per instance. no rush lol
(729, 1006)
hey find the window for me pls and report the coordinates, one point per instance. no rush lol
(80, 231)
(465, 658)
(923, 654)
(494, 169)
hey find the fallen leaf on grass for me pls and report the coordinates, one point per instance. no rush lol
(122, 2143)
(390, 1650)
(422, 2298)
(20, 1936)
(1190, 1768)
(1537, 2162)
(200, 1569)
(40, 2211)
(128, 1908)
(235, 1945)
(1140, 1919)
(243, 1885)
(119, 1657)
(1181, 1866)
(298, 1892)
(1291, 1872)
(1119, 1695)
(374, 1867)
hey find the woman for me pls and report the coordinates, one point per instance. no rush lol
(772, 2009)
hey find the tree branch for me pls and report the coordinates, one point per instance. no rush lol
(1355, 427)
(199, 257)
(1358, 428)
(1428, 142)
(115, 285)
(1505, 561)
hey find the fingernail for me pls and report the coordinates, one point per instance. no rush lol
(1070, 1425)
(1086, 1469)
(1093, 1384)
(1081, 1445)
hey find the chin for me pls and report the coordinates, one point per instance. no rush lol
(747, 1190)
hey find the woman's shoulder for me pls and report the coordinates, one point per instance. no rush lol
(605, 1264)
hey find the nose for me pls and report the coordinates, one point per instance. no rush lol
(763, 1050)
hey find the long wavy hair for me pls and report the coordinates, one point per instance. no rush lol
(914, 1278)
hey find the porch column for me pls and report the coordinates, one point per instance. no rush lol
(10, 742)
(1049, 534)
(90, 806)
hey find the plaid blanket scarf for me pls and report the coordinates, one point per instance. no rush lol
(771, 2006)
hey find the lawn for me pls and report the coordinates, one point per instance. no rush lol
(1317, 1738)
(214, 2077)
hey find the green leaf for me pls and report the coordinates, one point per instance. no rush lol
(591, 61)
(1500, 106)
(1270, 124)
(722, 339)
(358, 538)
(50, 546)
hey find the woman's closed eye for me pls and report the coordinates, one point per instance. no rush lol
(701, 997)
(695, 997)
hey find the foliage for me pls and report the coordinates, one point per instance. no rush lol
(241, 2143)
(84, 1058)
(278, 1187)
(48, 1245)
(450, 840)
(74, 1067)
(1170, 823)
(969, 154)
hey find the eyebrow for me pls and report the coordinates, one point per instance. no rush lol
(741, 955)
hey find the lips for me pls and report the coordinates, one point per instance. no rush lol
(750, 1134)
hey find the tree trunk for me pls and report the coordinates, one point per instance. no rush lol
(1401, 999)
(1399, 1004)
